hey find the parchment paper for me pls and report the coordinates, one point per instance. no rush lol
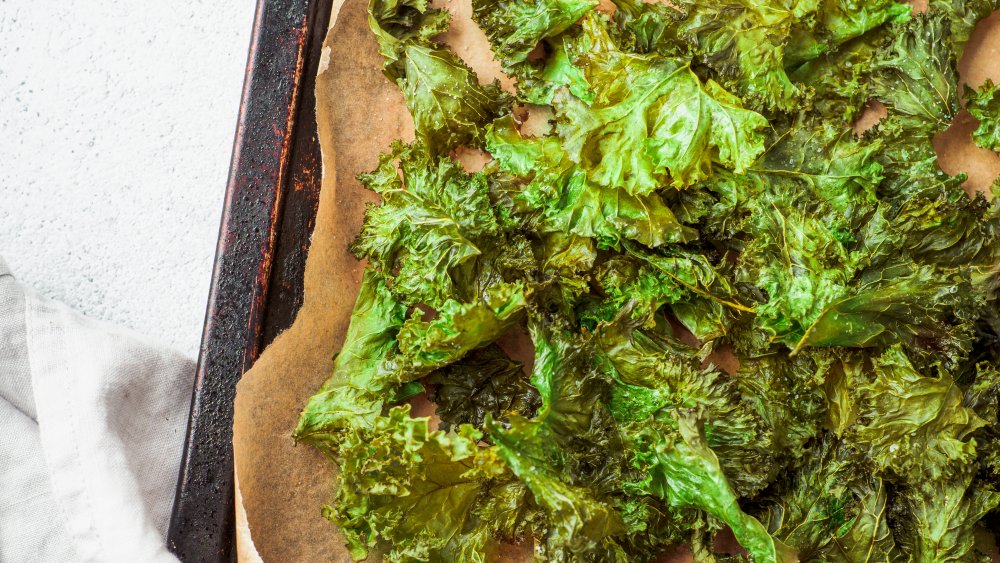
(280, 487)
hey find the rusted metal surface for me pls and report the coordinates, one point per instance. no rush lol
(298, 216)
(269, 213)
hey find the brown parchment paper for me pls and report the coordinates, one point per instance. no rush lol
(281, 487)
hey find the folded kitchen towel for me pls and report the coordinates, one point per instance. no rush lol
(92, 422)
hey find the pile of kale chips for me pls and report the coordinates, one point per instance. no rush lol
(699, 177)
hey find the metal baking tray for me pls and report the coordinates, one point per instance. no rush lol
(270, 210)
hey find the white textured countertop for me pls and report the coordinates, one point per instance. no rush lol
(116, 126)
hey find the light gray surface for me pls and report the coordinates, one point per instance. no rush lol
(116, 126)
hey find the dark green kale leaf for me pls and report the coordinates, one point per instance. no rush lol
(945, 227)
(657, 375)
(569, 259)
(841, 79)
(484, 383)
(560, 453)
(797, 215)
(681, 468)
(900, 302)
(916, 74)
(702, 298)
(869, 537)
(916, 78)
(798, 257)
(934, 518)
(929, 272)
(984, 104)
(397, 24)
(839, 21)
(962, 16)
(841, 269)
(459, 328)
(752, 46)
(786, 391)
(831, 508)
(914, 426)
(647, 27)
(530, 38)
(826, 160)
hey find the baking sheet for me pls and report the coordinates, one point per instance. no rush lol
(281, 487)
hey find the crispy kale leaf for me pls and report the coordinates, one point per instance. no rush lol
(798, 258)
(962, 16)
(681, 468)
(355, 393)
(425, 345)
(697, 290)
(984, 105)
(831, 508)
(448, 104)
(516, 27)
(484, 383)
(415, 490)
(556, 453)
(936, 517)
(799, 214)
(915, 76)
(930, 270)
(839, 21)
(569, 202)
(658, 376)
(914, 426)
(652, 122)
(744, 42)
(433, 217)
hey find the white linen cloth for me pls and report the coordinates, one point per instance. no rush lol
(92, 423)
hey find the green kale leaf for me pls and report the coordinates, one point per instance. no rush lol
(653, 122)
(354, 394)
(744, 42)
(448, 104)
(433, 217)
(484, 383)
(984, 105)
(831, 508)
(682, 469)
(937, 516)
(516, 27)
(839, 21)
(962, 16)
(413, 489)
(583, 524)
(570, 203)
(914, 426)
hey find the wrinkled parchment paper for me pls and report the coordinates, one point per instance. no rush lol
(281, 487)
